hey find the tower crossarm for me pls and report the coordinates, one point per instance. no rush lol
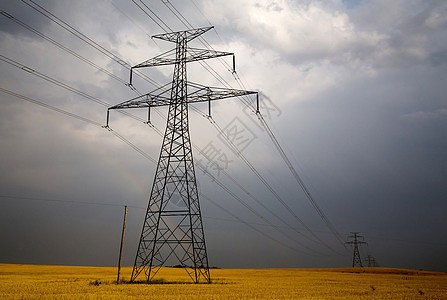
(201, 93)
(169, 57)
(196, 93)
(195, 54)
(356, 243)
(188, 35)
(159, 97)
(147, 100)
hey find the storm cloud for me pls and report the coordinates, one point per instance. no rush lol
(355, 91)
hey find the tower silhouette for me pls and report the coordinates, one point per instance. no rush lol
(173, 230)
(372, 262)
(356, 260)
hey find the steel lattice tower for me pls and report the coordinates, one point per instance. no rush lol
(371, 261)
(356, 260)
(173, 230)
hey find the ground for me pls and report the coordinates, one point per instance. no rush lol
(66, 282)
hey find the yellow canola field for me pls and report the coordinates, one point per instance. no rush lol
(64, 282)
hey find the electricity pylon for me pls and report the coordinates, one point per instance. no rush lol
(173, 230)
(372, 263)
(356, 260)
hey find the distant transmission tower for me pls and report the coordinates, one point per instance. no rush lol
(355, 240)
(371, 261)
(173, 232)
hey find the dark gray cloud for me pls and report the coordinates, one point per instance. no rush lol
(20, 12)
(357, 97)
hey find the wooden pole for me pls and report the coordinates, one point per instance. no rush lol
(122, 242)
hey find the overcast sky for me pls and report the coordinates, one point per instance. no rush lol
(355, 92)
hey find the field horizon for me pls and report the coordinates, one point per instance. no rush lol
(27, 281)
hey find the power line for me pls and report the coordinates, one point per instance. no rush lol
(225, 188)
(69, 25)
(266, 184)
(52, 80)
(176, 144)
(75, 54)
(50, 107)
(204, 64)
(116, 205)
(52, 200)
(64, 201)
(275, 142)
(299, 180)
(166, 28)
(185, 22)
(238, 221)
(252, 227)
(74, 31)
(66, 49)
(236, 182)
(84, 38)
(62, 85)
(200, 11)
(99, 125)
(129, 18)
(88, 41)
(278, 146)
(233, 195)
(234, 220)
(240, 200)
(131, 145)
(79, 118)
